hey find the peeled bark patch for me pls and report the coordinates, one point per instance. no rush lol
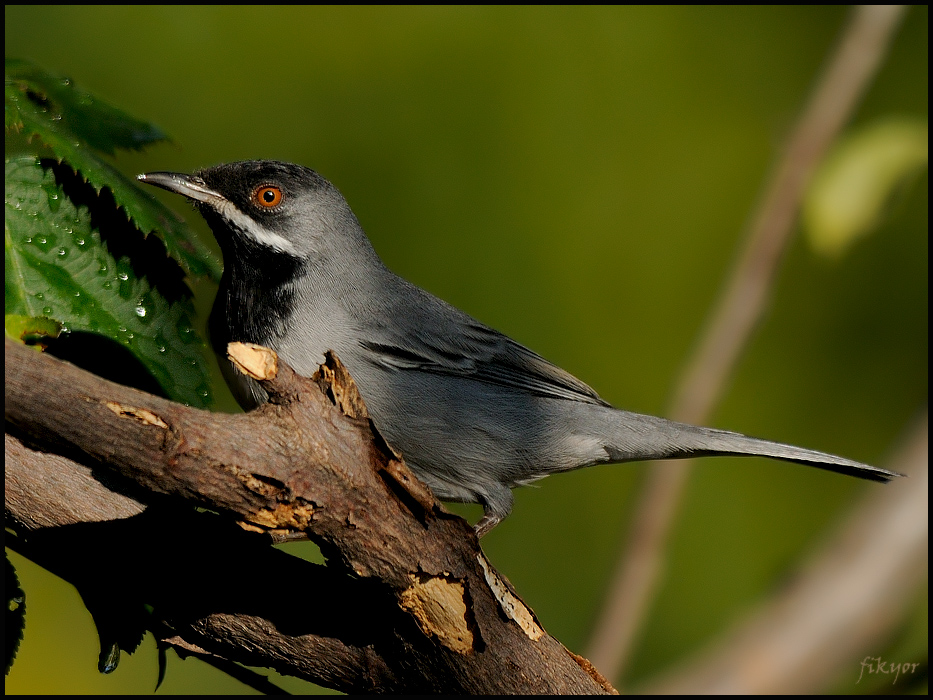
(438, 604)
(510, 604)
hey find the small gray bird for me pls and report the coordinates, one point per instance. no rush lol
(473, 412)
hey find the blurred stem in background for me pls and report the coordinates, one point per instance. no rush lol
(849, 71)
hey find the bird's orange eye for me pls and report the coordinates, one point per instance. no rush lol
(267, 196)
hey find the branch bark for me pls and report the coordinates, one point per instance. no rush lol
(100, 480)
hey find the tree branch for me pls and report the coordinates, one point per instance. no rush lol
(407, 602)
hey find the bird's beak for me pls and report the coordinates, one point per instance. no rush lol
(186, 185)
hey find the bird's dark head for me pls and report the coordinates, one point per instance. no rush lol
(264, 206)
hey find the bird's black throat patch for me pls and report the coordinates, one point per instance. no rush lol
(256, 300)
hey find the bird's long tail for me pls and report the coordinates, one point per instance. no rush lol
(643, 437)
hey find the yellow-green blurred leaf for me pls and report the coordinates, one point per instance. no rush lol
(849, 194)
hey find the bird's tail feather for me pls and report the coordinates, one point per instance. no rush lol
(647, 437)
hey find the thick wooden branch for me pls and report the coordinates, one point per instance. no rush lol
(407, 603)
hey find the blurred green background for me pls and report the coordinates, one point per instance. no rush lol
(578, 178)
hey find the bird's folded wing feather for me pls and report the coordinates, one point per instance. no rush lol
(466, 348)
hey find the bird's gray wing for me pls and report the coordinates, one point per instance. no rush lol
(441, 339)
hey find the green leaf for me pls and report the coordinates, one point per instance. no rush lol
(850, 193)
(15, 618)
(95, 122)
(57, 268)
(31, 330)
(72, 123)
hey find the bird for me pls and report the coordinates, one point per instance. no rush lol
(473, 412)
